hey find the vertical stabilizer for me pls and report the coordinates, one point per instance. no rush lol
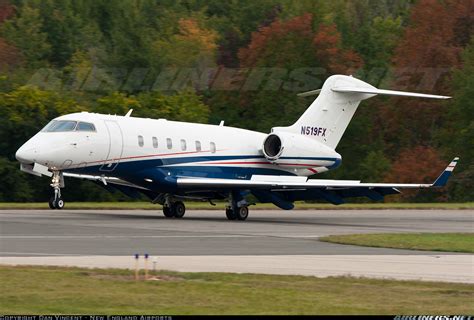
(328, 116)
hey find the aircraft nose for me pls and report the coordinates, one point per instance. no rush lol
(25, 154)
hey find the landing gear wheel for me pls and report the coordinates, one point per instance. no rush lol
(178, 209)
(230, 214)
(57, 203)
(167, 212)
(51, 203)
(242, 213)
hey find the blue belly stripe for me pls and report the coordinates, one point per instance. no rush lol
(164, 176)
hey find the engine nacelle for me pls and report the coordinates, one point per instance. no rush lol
(301, 152)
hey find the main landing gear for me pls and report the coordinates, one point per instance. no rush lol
(238, 207)
(56, 201)
(238, 214)
(175, 209)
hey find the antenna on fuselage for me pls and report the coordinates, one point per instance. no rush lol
(129, 113)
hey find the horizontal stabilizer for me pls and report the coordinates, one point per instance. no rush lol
(386, 92)
(309, 93)
(335, 105)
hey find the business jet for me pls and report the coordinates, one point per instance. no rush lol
(170, 161)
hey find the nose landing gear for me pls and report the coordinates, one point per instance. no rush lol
(57, 182)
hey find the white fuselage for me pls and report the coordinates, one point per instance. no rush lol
(169, 160)
(136, 149)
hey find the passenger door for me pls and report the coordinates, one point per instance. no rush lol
(115, 146)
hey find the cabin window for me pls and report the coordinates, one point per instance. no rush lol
(140, 141)
(198, 145)
(169, 143)
(85, 126)
(155, 142)
(213, 147)
(183, 144)
(60, 126)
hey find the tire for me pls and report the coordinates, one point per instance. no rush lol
(59, 203)
(178, 209)
(229, 213)
(51, 203)
(242, 213)
(167, 212)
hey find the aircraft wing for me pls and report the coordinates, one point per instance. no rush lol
(104, 179)
(297, 182)
(40, 170)
(331, 190)
(112, 184)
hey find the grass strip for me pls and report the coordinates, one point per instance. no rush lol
(59, 290)
(447, 242)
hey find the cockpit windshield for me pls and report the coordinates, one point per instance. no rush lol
(68, 125)
(60, 126)
(85, 126)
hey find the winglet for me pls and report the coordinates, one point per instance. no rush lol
(443, 178)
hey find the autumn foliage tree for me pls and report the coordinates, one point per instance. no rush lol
(457, 137)
(294, 42)
(420, 164)
(429, 50)
(25, 34)
(6, 10)
(329, 52)
(192, 46)
(275, 54)
(280, 43)
(9, 54)
(437, 34)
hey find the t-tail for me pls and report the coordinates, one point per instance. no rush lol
(328, 116)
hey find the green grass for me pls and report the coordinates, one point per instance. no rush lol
(56, 290)
(221, 205)
(449, 242)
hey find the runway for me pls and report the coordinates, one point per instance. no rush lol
(266, 232)
(270, 241)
